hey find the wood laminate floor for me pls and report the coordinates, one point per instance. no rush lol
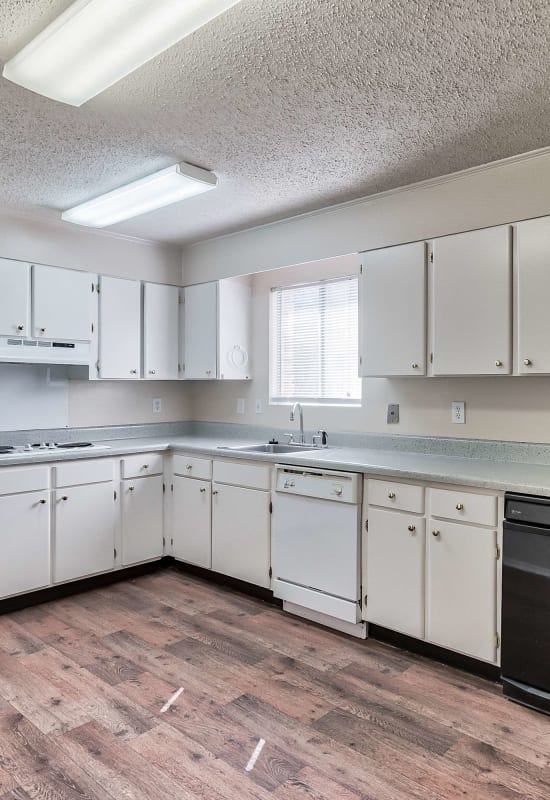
(83, 681)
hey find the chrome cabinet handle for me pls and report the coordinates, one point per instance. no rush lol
(436, 533)
(152, 372)
(411, 528)
(460, 507)
(338, 491)
(391, 495)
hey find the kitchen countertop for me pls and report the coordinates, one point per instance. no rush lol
(524, 477)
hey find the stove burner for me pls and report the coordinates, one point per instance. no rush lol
(6, 448)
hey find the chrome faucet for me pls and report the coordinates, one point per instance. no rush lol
(298, 407)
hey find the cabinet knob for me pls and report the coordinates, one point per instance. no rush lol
(414, 365)
(391, 495)
(42, 330)
(145, 466)
(338, 491)
(214, 491)
(131, 488)
(152, 372)
(42, 502)
(64, 497)
(209, 372)
(20, 327)
(498, 363)
(436, 533)
(203, 490)
(189, 466)
(411, 528)
(133, 372)
(460, 507)
(527, 362)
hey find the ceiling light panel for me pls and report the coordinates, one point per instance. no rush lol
(163, 188)
(95, 43)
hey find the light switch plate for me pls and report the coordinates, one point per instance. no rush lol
(458, 412)
(157, 405)
(393, 413)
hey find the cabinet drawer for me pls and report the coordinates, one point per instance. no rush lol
(73, 473)
(25, 479)
(464, 506)
(192, 467)
(252, 476)
(400, 496)
(142, 464)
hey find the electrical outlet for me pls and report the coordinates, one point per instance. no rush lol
(259, 406)
(393, 413)
(458, 412)
(240, 405)
(157, 405)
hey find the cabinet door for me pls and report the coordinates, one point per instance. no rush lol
(192, 521)
(461, 588)
(119, 329)
(472, 320)
(15, 298)
(24, 542)
(234, 307)
(201, 331)
(533, 239)
(62, 300)
(142, 519)
(241, 533)
(395, 571)
(84, 531)
(393, 311)
(160, 331)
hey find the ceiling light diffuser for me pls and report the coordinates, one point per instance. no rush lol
(160, 189)
(95, 43)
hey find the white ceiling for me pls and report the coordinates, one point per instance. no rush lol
(295, 104)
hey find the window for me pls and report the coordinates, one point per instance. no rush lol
(314, 343)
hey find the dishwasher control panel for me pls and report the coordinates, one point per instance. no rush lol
(343, 487)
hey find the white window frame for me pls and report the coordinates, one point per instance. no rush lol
(276, 398)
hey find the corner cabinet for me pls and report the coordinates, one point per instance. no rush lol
(119, 329)
(392, 323)
(472, 303)
(216, 330)
(160, 331)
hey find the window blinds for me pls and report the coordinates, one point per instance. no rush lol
(314, 343)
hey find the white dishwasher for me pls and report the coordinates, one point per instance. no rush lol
(316, 546)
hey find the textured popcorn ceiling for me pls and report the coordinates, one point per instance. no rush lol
(295, 104)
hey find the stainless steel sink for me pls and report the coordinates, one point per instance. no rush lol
(272, 448)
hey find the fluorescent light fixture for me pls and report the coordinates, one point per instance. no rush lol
(95, 43)
(160, 189)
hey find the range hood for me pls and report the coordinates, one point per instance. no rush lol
(14, 350)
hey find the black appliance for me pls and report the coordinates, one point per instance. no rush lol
(526, 601)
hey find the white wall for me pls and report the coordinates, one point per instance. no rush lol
(496, 408)
(52, 242)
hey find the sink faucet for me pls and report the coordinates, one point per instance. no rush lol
(298, 407)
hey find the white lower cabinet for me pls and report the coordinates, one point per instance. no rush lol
(142, 519)
(24, 542)
(395, 571)
(192, 521)
(85, 523)
(241, 533)
(461, 578)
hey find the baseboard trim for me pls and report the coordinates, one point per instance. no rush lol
(224, 580)
(433, 651)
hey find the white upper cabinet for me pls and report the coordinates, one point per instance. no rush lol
(392, 317)
(160, 331)
(62, 303)
(15, 298)
(472, 320)
(119, 329)
(216, 330)
(200, 338)
(533, 296)
(234, 304)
